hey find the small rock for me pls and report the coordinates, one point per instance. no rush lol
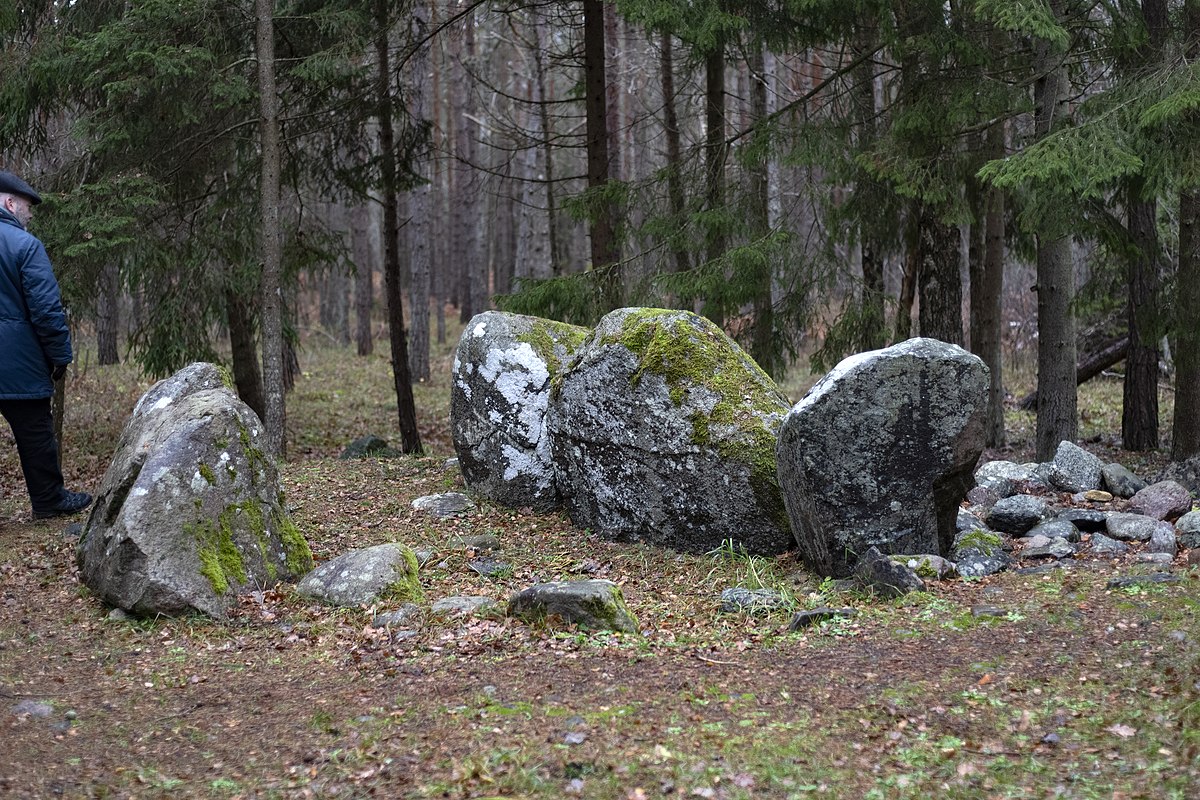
(1163, 500)
(966, 521)
(752, 601)
(483, 543)
(591, 604)
(1056, 529)
(1133, 527)
(877, 572)
(450, 504)
(1050, 739)
(1105, 546)
(1161, 560)
(1187, 528)
(1017, 514)
(1120, 481)
(996, 473)
(1048, 566)
(1142, 580)
(984, 496)
(979, 552)
(1163, 540)
(1075, 469)
(462, 606)
(402, 616)
(929, 566)
(1054, 548)
(369, 446)
(987, 611)
(118, 615)
(1098, 496)
(38, 709)
(490, 567)
(804, 619)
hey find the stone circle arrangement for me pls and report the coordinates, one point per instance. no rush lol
(654, 427)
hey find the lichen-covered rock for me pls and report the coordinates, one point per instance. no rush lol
(751, 601)
(445, 505)
(1134, 527)
(1003, 476)
(590, 604)
(663, 431)
(190, 512)
(881, 452)
(1075, 469)
(979, 552)
(359, 577)
(502, 372)
(1186, 473)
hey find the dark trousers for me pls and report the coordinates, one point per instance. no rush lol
(33, 427)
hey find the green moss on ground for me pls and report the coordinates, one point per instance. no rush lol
(407, 588)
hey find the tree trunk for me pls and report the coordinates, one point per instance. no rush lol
(1057, 415)
(714, 161)
(108, 315)
(1139, 414)
(940, 278)
(410, 437)
(604, 250)
(420, 203)
(674, 148)
(361, 244)
(1185, 426)
(272, 255)
(243, 350)
(912, 271)
(987, 287)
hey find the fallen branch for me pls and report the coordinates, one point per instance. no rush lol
(1092, 365)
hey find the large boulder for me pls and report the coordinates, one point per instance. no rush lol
(190, 512)
(663, 431)
(880, 453)
(502, 372)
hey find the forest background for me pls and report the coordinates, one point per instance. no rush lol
(818, 177)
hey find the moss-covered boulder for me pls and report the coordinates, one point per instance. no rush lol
(663, 431)
(385, 572)
(881, 452)
(590, 604)
(502, 372)
(190, 511)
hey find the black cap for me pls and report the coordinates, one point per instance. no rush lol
(11, 184)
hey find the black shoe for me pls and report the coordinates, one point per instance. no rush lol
(71, 503)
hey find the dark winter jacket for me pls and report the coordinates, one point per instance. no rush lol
(33, 325)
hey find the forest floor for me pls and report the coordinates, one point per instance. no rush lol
(1072, 689)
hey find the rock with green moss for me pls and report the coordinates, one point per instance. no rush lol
(501, 383)
(663, 431)
(881, 452)
(190, 512)
(385, 572)
(590, 604)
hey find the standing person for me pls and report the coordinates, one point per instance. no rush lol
(35, 349)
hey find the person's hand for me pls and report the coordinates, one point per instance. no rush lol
(58, 372)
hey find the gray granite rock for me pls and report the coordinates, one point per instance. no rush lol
(815, 616)
(443, 506)
(1051, 548)
(1163, 540)
(1159, 560)
(879, 574)
(1002, 476)
(1133, 527)
(1188, 529)
(464, 606)
(499, 399)
(590, 604)
(979, 552)
(1105, 546)
(751, 601)
(881, 451)
(362, 577)
(1017, 514)
(663, 430)
(1075, 469)
(1120, 481)
(1055, 529)
(1142, 580)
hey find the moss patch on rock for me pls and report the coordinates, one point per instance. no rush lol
(547, 336)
